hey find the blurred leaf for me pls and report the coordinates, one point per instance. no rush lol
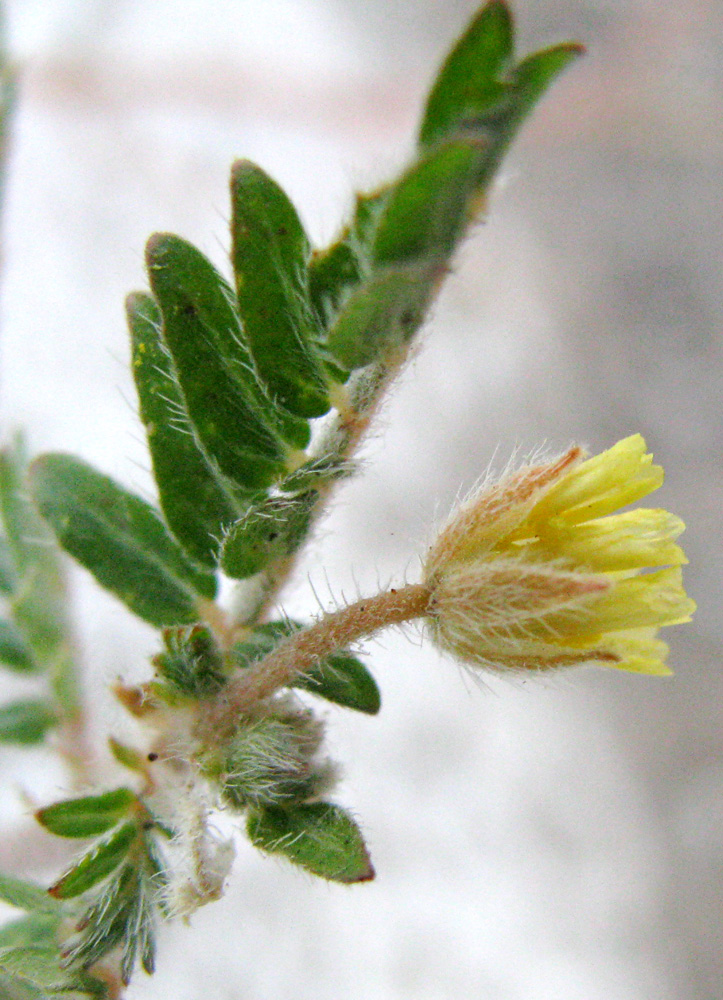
(14, 650)
(270, 253)
(8, 578)
(25, 895)
(318, 836)
(381, 315)
(12, 988)
(127, 756)
(38, 928)
(97, 864)
(36, 973)
(38, 964)
(194, 501)
(269, 530)
(87, 816)
(534, 74)
(121, 916)
(26, 721)
(39, 606)
(120, 539)
(468, 82)
(228, 414)
(427, 209)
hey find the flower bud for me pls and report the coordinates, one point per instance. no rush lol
(273, 759)
(536, 570)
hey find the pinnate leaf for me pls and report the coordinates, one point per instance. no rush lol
(468, 82)
(89, 815)
(14, 650)
(26, 721)
(120, 539)
(270, 253)
(97, 864)
(227, 410)
(194, 501)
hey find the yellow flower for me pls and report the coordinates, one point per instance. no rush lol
(537, 570)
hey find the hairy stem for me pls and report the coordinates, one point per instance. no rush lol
(338, 443)
(300, 651)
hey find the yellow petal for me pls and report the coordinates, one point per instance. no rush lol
(640, 652)
(633, 540)
(602, 484)
(648, 599)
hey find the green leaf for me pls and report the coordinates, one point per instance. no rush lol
(37, 964)
(8, 577)
(480, 93)
(127, 756)
(227, 411)
(335, 272)
(427, 210)
(25, 895)
(381, 315)
(97, 864)
(121, 915)
(38, 928)
(26, 721)
(269, 530)
(318, 836)
(344, 680)
(36, 972)
(534, 74)
(270, 254)
(87, 816)
(468, 83)
(14, 650)
(120, 539)
(39, 605)
(194, 502)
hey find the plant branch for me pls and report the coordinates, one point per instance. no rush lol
(340, 440)
(300, 651)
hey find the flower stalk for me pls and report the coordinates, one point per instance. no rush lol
(299, 652)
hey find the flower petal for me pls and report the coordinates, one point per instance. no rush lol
(633, 540)
(602, 484)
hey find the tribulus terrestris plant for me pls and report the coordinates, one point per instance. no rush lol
(255, 392)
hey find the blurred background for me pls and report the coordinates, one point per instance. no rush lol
(533, 841)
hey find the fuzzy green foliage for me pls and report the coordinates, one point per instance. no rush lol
(34, 621)
(231, 375)
(228, 374)
(273, 760)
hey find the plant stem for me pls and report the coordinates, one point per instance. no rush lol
(300, 651)
(341, 438)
